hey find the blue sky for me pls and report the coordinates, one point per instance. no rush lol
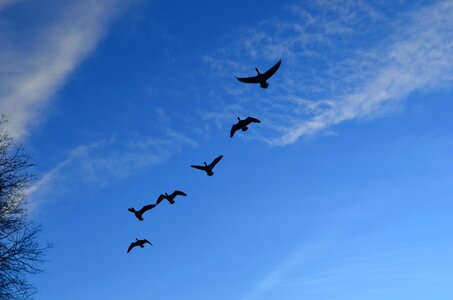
(342, 192)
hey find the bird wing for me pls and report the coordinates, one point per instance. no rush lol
(147, 207)
(215, 161)
(146, 241)
(248, 79)
(161, 197)
(199, 167)
(179, 193)
(234, 128)
(272, 70)
(132, 245)
(249, 120)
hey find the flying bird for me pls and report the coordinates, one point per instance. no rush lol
(242, 124)
(139, 213)
(208, 168)
(140, 243)
(261, 78)
(171, 197)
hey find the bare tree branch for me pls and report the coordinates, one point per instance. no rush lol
(20, 253)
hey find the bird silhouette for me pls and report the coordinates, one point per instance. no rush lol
(208, 168)
(139, 213)
(261, 78)
(140, 243)
(242, 124)
(170, 197)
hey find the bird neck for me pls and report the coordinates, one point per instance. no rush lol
(239, 119)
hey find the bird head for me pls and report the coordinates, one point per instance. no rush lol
(257, 71)
(239, 118)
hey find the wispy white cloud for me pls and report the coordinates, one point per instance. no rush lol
(419, 58)
(328, 77)
(80, 152)
(339, 260)
(337, 273)
(5, 3)
(105, 161)
(37, 63)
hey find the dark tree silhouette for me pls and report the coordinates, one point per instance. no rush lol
(20, 253)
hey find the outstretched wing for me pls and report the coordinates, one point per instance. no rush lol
(248, 79)
(161, 197)
(249, 120)
(148, 207)
(272, 70)
(234, 128)
(132, 245)
(179, 193)
(203, 168)
(146, 241)
(215, 161)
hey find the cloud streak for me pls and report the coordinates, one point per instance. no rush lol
(5, 3)
(420, 60)
(106, 160)
(339, 261)
(329, 78)
(36, 64)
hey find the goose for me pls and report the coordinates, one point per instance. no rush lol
(242, 124)
(208, 168)
(261, 78)
(139, 213)
(140, 243)
(170, 197)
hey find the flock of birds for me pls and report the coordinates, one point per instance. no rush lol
(261, 79)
